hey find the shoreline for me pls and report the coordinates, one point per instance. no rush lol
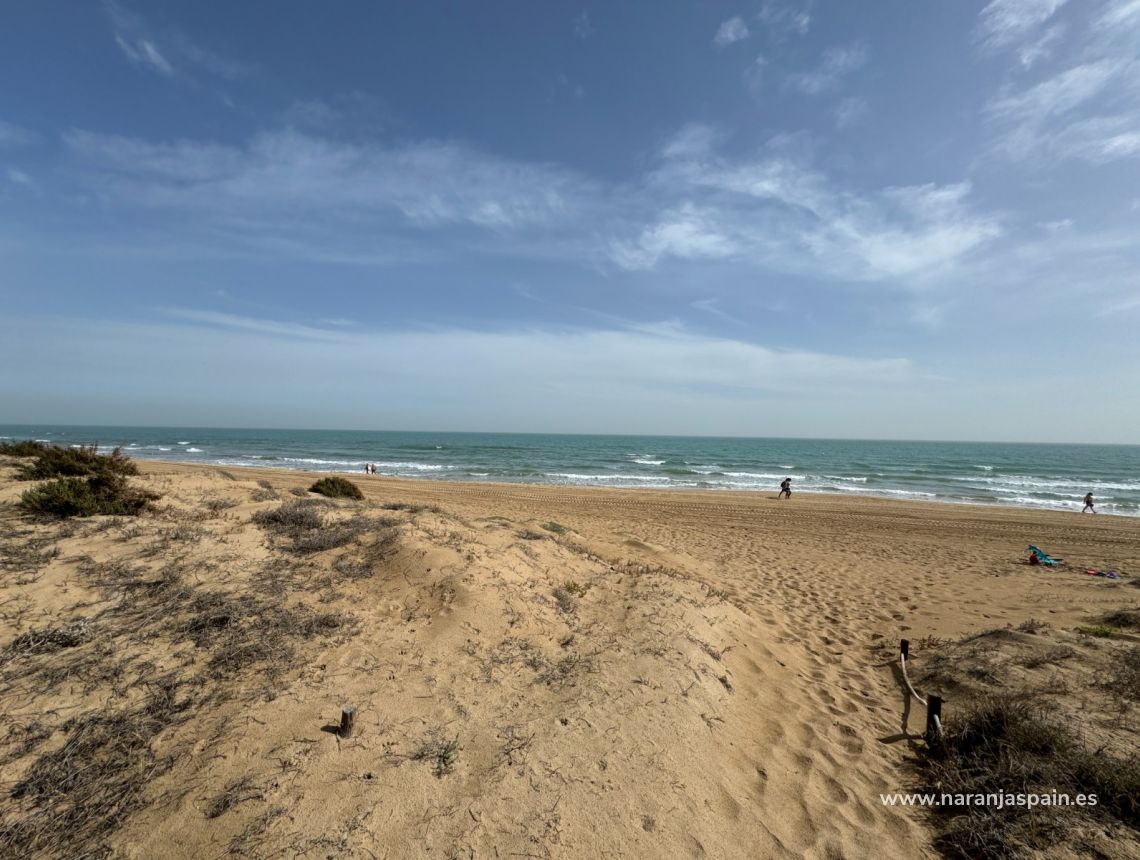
(736, 495)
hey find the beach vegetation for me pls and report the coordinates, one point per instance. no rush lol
(557, 528)
(51, 461)
(336, 487)
(1122, 618)
(565, 599)
(1098, 631)
(411, 508)
(26, 448)
(575, 588)
(440, 752)
(101, 494)
(1013, 745)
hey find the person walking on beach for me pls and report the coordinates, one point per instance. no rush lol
(1088, 504)
(785, 489)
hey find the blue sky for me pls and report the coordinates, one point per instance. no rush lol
(888, 219)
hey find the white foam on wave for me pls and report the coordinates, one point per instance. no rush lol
(183, 443)
(572, 476)
(768, 476)
(416, 467)
(648, 462)
(194, 450)
(1031, 483)
(986, 468)
(846, 478)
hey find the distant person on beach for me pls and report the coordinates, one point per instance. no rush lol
(1088, 504)
(785, 489)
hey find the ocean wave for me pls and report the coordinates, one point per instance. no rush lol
(1034, 483)
(846, 478)
(194, 450)
(769, 476)
(416, 467)
(183, 443)
(648, 462)
(618, 476)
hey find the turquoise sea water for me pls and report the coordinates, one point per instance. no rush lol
(1038, 476)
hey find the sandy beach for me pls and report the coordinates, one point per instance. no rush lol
(536, 671)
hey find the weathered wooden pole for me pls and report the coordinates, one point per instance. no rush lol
(933, 719)
(347, 720)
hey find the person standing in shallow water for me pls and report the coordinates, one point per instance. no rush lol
(785, 489)
(1088, 504)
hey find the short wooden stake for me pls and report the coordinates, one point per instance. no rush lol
(933, 718)
(347, 719)
(904, 647)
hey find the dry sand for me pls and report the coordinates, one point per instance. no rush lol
(538, 672)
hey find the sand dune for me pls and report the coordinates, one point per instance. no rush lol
(538, 672)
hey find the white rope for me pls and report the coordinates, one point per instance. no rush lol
(938, 725)
(902, 659)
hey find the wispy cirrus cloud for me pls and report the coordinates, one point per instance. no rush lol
(1002, 23)
(835, 65)
(1085, 108)
(424, 184)
(172, 54)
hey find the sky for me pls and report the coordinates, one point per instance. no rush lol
(860, 220)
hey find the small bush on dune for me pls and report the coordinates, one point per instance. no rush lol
(337, 488)
(55, 462)
(292, 517)
(85, 497)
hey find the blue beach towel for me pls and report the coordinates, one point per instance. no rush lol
(1044, 557)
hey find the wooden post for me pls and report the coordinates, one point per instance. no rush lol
(347, 719)
(933, 719)
(904, 647)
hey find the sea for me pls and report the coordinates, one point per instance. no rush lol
(1053, 477)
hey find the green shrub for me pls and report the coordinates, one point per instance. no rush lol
(85, 497)
(22, 449)
(55, 462)
(337, 488)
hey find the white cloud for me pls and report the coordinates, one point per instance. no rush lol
(143, 52)
(18, 177)
(1004, 22)
(427, 183)
(1031, 53)
(782, 20)
(141, 46)
(686, 233)
(288, 194)
(1056, 95)
(836, 64)
(773, 212)
(732, 30)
